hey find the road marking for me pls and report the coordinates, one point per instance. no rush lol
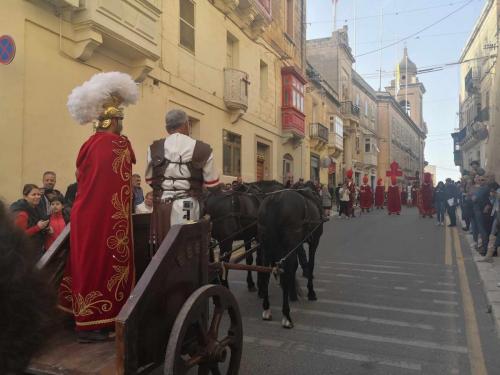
(376, 338)
(476, 358)
(361, 318)
(400, 288)
(441, 302)
(360, 264)
(446, 284)
(388, 308)
(299, 346)
(447, 246)
(438, 291)
(413, 263)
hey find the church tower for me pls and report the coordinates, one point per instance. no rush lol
(408, 91)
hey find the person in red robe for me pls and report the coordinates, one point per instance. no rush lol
(393, 198)
(365, 196)
(379, 195)
(427, 196)
(100, 273)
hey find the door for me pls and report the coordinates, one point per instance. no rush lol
(260, 167)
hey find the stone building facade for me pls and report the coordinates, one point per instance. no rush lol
(236, 67)
(478, 136)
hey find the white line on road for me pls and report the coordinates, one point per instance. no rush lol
(359, 264)
(438, 291)
(298, 346)
(416, 263)
(440, 302)
(388, 308)
(400, 288)
(361, 318)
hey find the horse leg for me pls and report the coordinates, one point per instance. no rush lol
(311, 294)
(249, 261)
(301, 254)
(263, 283)
(225, 248)
(293, 283)
(286, 281)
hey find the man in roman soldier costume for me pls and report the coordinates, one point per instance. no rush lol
(365, 195)
(100, 273)
(393, 193)
(352, 193)
(379, 194)
(178, 168)
(427, 195)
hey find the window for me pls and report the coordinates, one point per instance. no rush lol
(187, 35)
(293, 93)
(314, 168)
(232, 51)
(289, 18)
(332, 124)
(339, 126)
(264, 73)
(368, 145)
(366, 108)
(231, 154)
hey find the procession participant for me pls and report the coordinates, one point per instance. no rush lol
(404, 195)
(178, 168)
(366, 195)
(101, 264)
(379, 195)
(409, 199)
(414, 197)
(393, 194)
(427, 192)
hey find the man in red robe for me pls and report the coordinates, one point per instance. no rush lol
(365, 196)
(427, 193)
(393, 193)
(101, 266)
(379, 195)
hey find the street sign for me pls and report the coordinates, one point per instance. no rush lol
(7, 49)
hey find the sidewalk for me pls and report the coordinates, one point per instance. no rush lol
(490, 277)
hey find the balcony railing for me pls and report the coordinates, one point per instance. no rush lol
(236, 89)
(319, 132)
(350, 109)
(457, 156)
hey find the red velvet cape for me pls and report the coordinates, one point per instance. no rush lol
(379, 196)
(365, 196)
(393, 199)
(427, 192)
(101, 266)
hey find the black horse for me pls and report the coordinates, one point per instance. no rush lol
(234, 217)
(286, 220)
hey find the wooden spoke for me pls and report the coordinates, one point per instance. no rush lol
(193, 343)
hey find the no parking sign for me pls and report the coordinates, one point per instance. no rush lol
(7, 49)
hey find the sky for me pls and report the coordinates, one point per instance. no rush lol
(440, 44)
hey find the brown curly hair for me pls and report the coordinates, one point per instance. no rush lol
(27, 301)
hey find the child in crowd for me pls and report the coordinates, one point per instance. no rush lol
(58, 219)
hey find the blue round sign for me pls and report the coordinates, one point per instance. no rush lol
(7, 49)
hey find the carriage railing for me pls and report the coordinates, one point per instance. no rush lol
(179, 267)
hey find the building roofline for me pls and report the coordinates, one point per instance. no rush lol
(386, 96)
(484, 13)
(362, 84)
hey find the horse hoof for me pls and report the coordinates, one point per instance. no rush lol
(286, 323)
(312, 297)
(267, 315)
(252, 288)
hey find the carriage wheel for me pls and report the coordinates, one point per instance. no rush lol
(196, 343)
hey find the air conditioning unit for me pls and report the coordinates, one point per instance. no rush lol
(236, 89)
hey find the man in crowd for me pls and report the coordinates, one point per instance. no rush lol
(48, 191)
(137, 192)
(452, 194)
(70, 196)
(101, 267)
(178, 168)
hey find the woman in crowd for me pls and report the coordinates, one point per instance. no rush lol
(345, 198)
(28, 217)
(440, 202)
(326, 199)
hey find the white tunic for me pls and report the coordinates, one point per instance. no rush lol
(179, 148)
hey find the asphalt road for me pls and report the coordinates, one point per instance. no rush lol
(396, 295)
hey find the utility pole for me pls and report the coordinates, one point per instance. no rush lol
(355, 27)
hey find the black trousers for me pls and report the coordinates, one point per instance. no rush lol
(452, 213)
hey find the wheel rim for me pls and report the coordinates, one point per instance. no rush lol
(199, 341)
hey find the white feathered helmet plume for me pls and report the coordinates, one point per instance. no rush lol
(100, 98)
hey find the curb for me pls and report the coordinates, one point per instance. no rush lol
(490, 276)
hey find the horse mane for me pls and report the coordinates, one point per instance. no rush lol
(28, 302)
(266, 186)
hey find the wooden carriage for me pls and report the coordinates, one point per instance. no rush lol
(172, 319)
